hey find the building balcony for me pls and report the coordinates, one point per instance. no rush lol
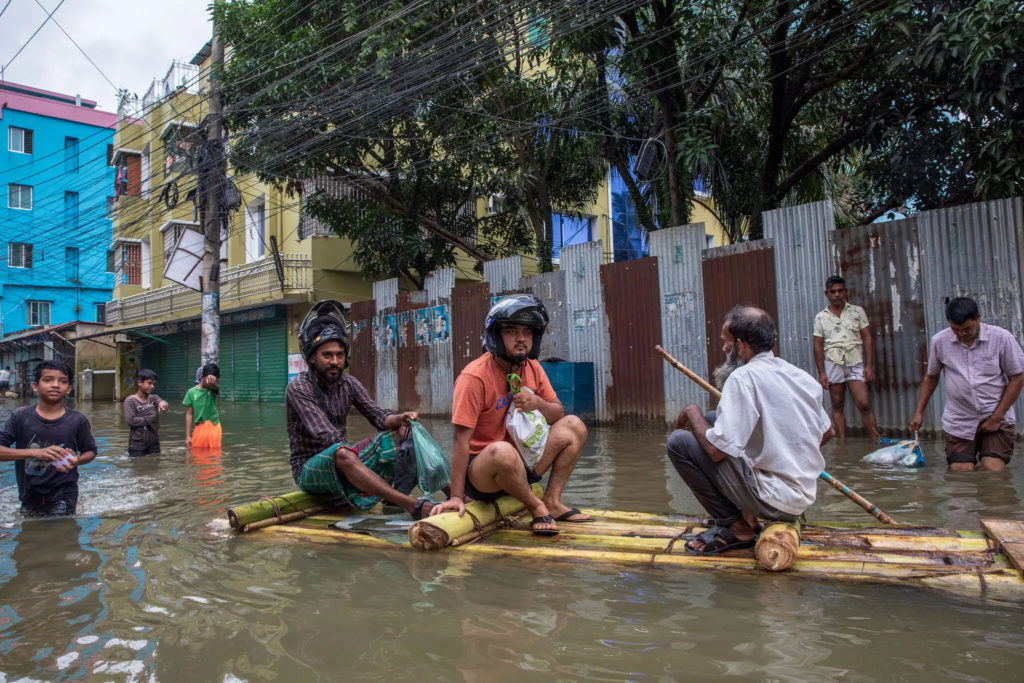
(241, 286)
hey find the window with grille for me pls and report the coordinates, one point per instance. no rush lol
(19, 255)
(19, 196)
(19, 140)
(38, 313)
(71, 210)
(101, 313)
(129, 266)
(111, 261)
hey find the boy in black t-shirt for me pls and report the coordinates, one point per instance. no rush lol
(47, 443)
(142, 413)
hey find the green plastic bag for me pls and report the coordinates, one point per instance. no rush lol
(433, 471)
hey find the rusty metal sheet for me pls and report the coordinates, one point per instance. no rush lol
(504, 275)
(803, 261)
(741, 273)
(550, 288)
(362, 349)
(439, 286)
(385, 293)
(413, 351)
(636, 392)
(973, 250)
(881, 265)
(470, 304)
(588, 331)
(683, 323)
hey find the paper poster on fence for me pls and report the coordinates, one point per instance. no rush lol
(403, 328)
(440, 333)
(422, 316)
(376, 332)
(390, 332)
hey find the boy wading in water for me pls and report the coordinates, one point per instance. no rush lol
(47, 443)
(142, 413)
(202, 421)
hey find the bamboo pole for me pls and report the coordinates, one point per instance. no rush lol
(438, 531)
(277, 509)
(777, 548)
(864, 503)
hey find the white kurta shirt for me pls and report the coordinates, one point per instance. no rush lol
(771, 416)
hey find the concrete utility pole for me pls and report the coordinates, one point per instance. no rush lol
(212, 178)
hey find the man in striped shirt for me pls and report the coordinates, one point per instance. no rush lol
(317, 406)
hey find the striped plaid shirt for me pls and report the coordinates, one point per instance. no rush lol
(316, 416)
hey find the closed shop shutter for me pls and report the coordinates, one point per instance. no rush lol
(246, 367)
(194, 357)
(227, 363)
(173, 378)
(273, 356)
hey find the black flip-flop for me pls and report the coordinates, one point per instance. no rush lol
(718, 539)
(545, 519)
(572, 512)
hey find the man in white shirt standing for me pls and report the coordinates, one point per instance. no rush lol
(762, 457)
(844, 355)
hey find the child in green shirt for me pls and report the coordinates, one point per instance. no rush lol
(202, 421)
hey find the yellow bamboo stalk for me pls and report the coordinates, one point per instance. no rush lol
(437, 531)
(778, 546)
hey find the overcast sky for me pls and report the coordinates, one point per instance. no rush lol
(131, 41)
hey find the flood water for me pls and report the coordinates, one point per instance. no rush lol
(146, 583)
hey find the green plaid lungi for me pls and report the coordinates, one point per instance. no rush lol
(319, 475)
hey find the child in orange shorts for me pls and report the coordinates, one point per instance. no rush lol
(202, 421)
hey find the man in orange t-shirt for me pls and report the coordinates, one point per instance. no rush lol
(485, 462)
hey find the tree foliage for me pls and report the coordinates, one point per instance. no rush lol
(419, 109)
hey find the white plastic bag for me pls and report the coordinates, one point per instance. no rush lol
(905, 453)
(529, 432)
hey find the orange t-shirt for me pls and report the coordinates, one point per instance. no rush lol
(482, 398)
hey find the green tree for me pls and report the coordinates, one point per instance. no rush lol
(416, 110)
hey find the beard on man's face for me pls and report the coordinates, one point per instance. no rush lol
(722, 372)
(517, 358)
(328, 374)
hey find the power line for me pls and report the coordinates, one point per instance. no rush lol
(48, 16)
(79, 47)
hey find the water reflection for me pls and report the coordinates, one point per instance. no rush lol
(146, 584)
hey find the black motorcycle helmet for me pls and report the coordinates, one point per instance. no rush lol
(517, 309)
(325, 322)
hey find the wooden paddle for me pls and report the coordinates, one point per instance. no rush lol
(864, 503)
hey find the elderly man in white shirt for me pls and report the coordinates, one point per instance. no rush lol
(762, 457)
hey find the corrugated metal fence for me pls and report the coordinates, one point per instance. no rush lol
(902, 272)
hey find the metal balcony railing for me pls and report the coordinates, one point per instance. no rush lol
(239, 282)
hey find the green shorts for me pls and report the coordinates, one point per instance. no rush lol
(319, 475)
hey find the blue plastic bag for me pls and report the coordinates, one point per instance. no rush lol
(433, 471)
(905, 453)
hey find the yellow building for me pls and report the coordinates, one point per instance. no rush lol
(262, 298)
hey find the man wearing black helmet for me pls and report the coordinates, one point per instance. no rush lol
(317, 405)
(485, 463)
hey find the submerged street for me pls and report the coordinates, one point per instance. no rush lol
(147, 582)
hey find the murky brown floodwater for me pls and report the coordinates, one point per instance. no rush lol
(145, 585)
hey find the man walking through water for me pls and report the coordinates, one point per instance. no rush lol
(317, 405)
(844, 354)
(762, 457)
(485, 463)
(984, 368)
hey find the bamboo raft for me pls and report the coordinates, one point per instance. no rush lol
(986, 563)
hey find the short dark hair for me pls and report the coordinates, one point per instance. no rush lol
(834, 280)
(961, 309)
(144, 374)
(210, 369)
(58, 365)
(752, 326)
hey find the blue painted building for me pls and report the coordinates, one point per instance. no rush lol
(56, 194)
